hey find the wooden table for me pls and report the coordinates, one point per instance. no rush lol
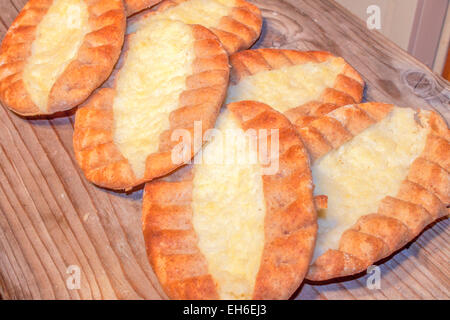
(52, 218)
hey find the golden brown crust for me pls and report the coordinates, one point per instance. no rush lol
(422, 197)
(346, 121)
(238, 31)
(290, 223)
(348, 87)
(134, 6)
(93, 64)
(99, 157)
(171, 242)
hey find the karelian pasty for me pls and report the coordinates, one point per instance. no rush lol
(171, 76)
(235, 225)
(385, 171)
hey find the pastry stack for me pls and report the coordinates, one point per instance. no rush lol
(261, 166)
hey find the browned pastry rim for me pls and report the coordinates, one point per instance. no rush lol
(95, 150)
(134, 6)
(93, 64)
(290, 223)
(423, 197)
(347, 89)
(238, 31)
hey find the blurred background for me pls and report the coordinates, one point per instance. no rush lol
(421, 27)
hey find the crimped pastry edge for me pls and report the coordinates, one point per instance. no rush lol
(95, 151)
(93, 64)
(347, 89)
(423, 197)
(290, 224)
(238, 31)
(135, 6)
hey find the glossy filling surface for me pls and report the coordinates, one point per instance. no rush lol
(288, 87)
(359, 174)
(59, 36)
(159, 60)
(229, 209)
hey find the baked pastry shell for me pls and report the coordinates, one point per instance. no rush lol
(423, 197)
(95, 150)
(92, 65)
(290, 223)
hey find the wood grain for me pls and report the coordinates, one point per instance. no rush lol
(51, 217)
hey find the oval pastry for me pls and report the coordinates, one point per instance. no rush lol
(301, 85)
(236, 23)
(385, 171)
(235, 224)
(57, 52)
(171, 76)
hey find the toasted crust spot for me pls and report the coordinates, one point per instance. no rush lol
(432, 177)
(134, 6)
(391, 231)
(354, 119)
(414, 193)
(437, 150)
(205, 91)
(412, 215)
(332, 130)
(364, 246)
(92, 65)
(315, 142)
(336, 263)
(289, 226)
(422, 198)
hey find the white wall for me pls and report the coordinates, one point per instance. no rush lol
(397, 17)
(441, 56)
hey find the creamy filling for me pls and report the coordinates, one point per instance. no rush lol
(159, 60)
(59, 36)
(229, 209)
(288, 87)
(204, 12)
(359, 174)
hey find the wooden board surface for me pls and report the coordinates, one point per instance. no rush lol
(52, 218)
